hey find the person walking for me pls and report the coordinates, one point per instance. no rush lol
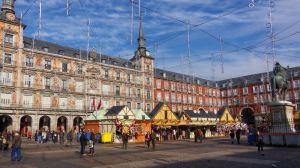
(153, 138)
(125, 140)
(196, 135)
(54, 139)
(259, 142)
(92, 143)
(238, 135)
(148, 139)
(82, 140)
(232, 136)
(70, 137)
(16, 148)
(200, 135)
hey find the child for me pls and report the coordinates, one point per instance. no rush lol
(91, 146)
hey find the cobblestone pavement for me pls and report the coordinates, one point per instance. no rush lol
(212, 153)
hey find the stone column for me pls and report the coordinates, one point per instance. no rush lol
(53, 122)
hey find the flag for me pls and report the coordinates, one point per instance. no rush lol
(94, 104)
(99, 105)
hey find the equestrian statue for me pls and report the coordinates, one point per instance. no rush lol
(279, 82)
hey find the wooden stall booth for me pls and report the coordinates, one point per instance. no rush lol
(142, 125)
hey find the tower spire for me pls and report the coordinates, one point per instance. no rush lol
(141, 39)
(8, 6)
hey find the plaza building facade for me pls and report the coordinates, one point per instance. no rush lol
(46, 85)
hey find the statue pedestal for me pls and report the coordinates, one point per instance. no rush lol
(282, 117)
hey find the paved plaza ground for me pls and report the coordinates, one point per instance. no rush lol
(212, 153)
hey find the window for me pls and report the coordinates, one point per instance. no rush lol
(128, 77)
(245, 90)
(64, 67)
(47, 64)
(106, 74)
(29, 61)
(138, 92)
(128, 90)
(45, 49)
(27, 80)
(138, 105)
(159, 96)
(118, 90)
(200, 90)
(148, 80)
(173, 86)
(117, 75)
(129, 105)
(255, 89)
(179, 98)
(245, 100)
(158, 84)
(61, 52)
(117, 103)
(166, 85)
(148, 107)
(64, 85)
(8, 58)
(6, 78)
(79, 68)
(166, 115)
(261, 88)
(126, 117)
(148, 68)
(5, 99)
(269, 87)
(148, 94)
(178, 87)
(173, 97)
(9, 38)
(200, 101)
(167, 97)
(255, 99)
(103, 61)
(27, 101)
(47, 83)
(296, 83)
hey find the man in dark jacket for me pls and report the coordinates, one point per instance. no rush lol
(153, 138)
(82, 142)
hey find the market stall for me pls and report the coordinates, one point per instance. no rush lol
(142, 125)
(162, 119)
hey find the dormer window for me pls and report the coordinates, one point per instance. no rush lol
(164, 75)
(61, 52)
(76, 55)
(45, 49)
(103, 61)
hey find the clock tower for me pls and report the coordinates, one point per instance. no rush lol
(143, 61)
(7, 9)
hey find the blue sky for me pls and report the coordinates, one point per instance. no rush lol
(242, 29)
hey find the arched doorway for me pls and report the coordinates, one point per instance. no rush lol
(76, 123)
(5, 123)
(247, 116)
(44, 123)
(25, 125)
(62, 123)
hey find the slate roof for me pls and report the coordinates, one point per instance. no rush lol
(179, 77)
(115, 110)
(255, 78)
(74, 53)
(156, 109)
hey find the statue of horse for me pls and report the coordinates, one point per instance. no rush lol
(279, 82)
